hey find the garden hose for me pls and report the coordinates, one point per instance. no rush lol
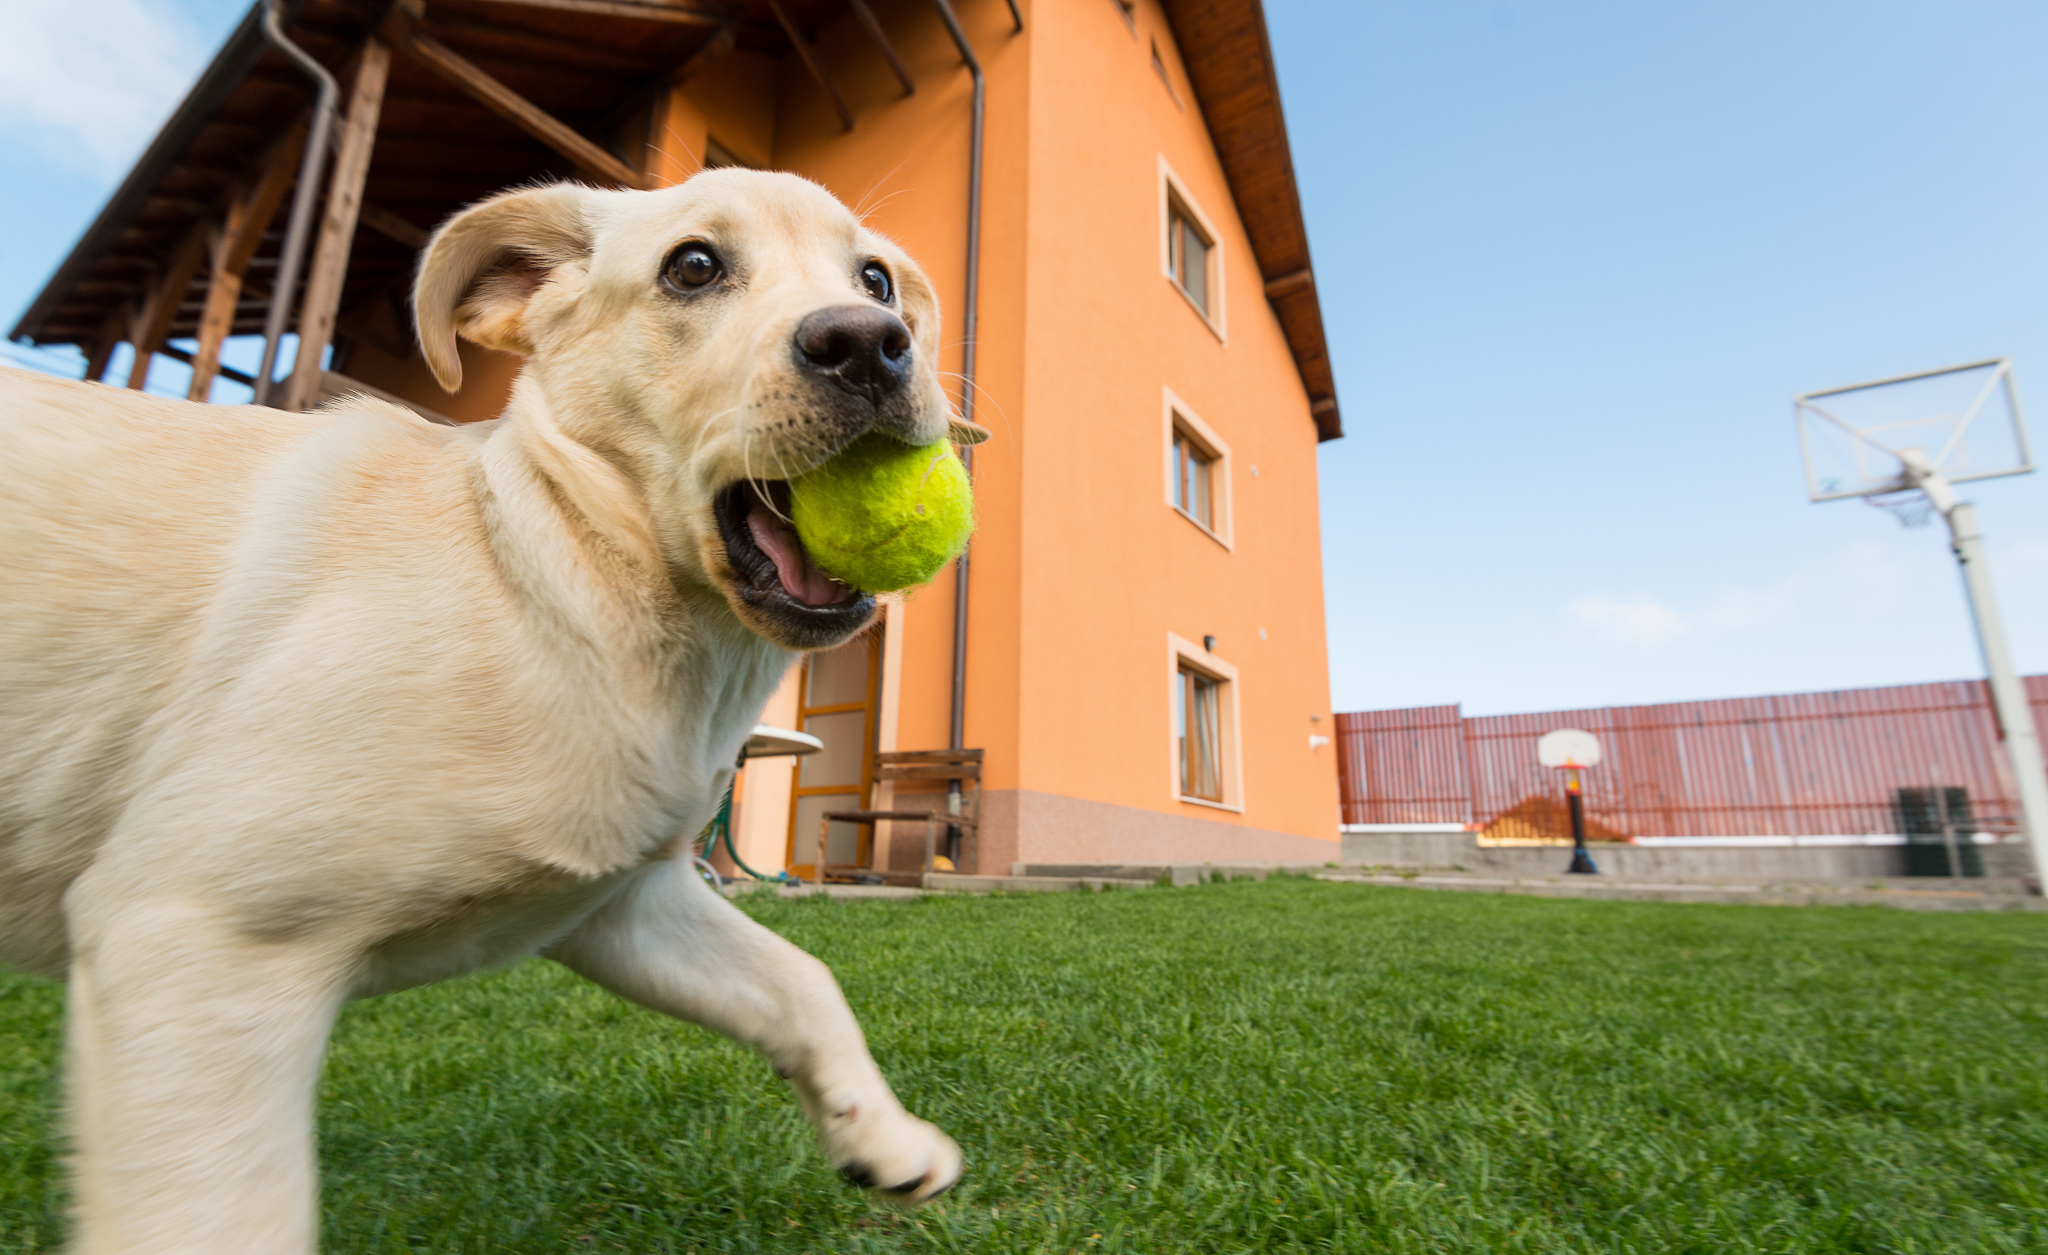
(720, 829)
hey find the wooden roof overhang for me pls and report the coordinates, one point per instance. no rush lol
(1229, 62)
(587, 64)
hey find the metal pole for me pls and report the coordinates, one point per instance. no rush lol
(2008, 697)
(970, 318)
(1582, 862)
(301, 223)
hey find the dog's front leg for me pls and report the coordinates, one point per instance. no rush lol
(668, 942)
(192, 1056)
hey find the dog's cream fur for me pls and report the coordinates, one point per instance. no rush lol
(298, 708)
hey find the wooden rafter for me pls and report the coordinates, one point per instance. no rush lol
(153, 321)
(338, 225)
(653, 11)
(177, 354)
(248, 217)
(403, 31)
(810, 60)
(717, 46)
(384, 222)
(1294, 282)
(881, 38)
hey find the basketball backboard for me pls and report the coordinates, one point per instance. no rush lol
(1568, 747)
(1961, 422)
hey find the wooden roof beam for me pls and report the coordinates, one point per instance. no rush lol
(402, 29)
(338, 229)
(810, 60)
(153, 321)
(248, 219)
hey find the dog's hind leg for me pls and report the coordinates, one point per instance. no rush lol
(668, 942)
(192, 1057)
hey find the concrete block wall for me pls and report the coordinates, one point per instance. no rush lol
(1436, 847)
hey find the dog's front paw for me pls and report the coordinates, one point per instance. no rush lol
(888, 1150)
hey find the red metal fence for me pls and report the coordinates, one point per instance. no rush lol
(1802, 764)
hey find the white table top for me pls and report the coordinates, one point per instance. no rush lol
(767, 742)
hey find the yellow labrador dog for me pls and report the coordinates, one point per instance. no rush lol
(298, 708)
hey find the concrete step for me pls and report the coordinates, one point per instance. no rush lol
(1170, 873)
(962, 882)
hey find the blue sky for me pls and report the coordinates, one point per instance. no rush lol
(1575, 259)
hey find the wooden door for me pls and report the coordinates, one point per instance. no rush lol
(839, 703)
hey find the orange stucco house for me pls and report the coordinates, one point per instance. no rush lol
(1140, 649)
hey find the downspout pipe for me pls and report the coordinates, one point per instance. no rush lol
(972, 320)
(311, 167)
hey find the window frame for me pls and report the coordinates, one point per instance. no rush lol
(1183, 655)
(1190, 710)
(1180, 418)
(1176, 201)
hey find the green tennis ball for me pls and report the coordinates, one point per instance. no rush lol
(881, 514)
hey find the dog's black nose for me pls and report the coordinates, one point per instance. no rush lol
(861, 348)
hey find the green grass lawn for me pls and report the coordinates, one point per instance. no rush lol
(1290, 1065)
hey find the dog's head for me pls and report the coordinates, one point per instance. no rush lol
(710, 341)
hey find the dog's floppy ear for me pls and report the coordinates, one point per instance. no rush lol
(485, 263)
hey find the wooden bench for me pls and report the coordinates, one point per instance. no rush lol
(925, 771)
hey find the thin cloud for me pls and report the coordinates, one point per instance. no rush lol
(1638, 622)
(1744, 607)
(87, 84)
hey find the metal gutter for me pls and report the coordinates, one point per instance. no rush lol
(284, 291)
(958, 728)
(243, 49)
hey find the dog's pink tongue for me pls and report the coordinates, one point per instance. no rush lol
(793, 566)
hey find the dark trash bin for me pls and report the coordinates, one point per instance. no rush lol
(1929, 851)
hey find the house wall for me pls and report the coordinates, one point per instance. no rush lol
(1112, 569)
(1081, 572)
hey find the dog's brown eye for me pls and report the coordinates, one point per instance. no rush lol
(875, 278)
(693, 266)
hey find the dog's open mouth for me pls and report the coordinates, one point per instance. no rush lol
(776, 574)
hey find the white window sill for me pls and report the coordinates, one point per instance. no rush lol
(1210, 532)
(1208, 320)
(1214, 806)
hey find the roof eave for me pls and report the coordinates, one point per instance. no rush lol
(1240, 102)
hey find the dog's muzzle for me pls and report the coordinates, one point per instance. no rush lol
(777, 576)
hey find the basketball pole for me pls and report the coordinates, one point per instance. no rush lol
(2015, 718)
(1582, 862)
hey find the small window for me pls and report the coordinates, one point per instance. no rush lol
(1193, 479)
(1197, 465)
(1159, 68)
(1198, 722)
(1188, 250)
